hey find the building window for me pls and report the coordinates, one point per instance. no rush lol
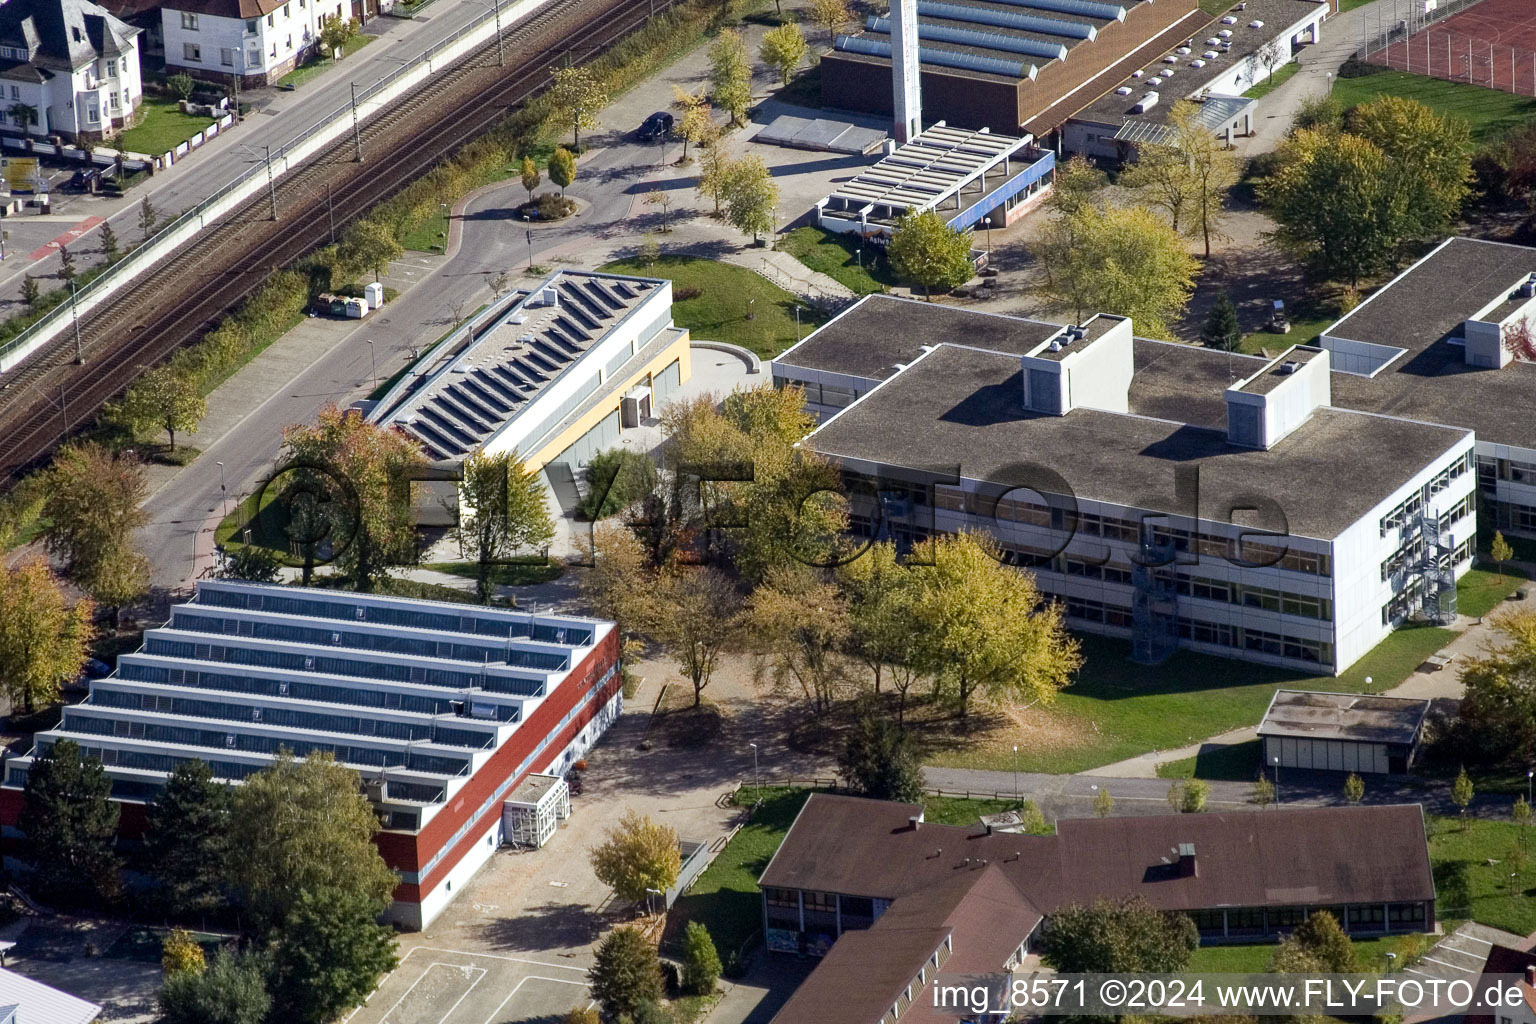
(189, 21)
(285, 10)
(289, 41)
(271, 21)
(274, 51)
(115, 104)
(227, 57)
(192, 52)
(15, 92)
(112, 68)
(250, 26)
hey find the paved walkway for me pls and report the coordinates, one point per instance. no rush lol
(790, 274)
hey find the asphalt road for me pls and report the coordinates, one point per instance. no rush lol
(280, 117)
(611, 177)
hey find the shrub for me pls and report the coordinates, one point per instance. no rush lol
(553, 206)
(616, 479)
(701, 964)
(684, 294)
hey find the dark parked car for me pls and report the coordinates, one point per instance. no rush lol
(84, 180)
(656, 126)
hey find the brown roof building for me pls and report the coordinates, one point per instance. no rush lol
(890, 900)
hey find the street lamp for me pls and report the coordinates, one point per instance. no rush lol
(223, 492)
(1528, 776)
(372, 358)
(648, 893)
(1275, 760)
(987, 220)
(1015, 773)
(757, 791)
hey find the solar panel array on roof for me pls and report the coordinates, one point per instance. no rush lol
(976, 37)
(1005, 19)
(528, 345)
(929, 168)
(1086, 8)
(941, 57)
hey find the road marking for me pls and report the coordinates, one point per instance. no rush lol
(1471, 938)
(462, 968)
(498, 956)
(516, 988)
(67, 237)
(466, 969)
(1463, 952)
(1453, 967)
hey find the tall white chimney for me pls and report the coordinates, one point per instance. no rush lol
(906, 87)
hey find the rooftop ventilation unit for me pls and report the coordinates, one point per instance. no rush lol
(1528, 287)
(1055, 346)
(549, 296)
(1197, 63)
(1228, 20)
(1225, 33)
(1146, 103)
(1288, 367)
(1212, 41)
(1183, 51)
(1124, 90)
(1137, 73)
(1255, 24)
(1210, 55)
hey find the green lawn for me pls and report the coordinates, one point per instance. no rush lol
(1349, 5)
(1488, 112)
(837, 256)
(161, 128)
(1280, 77)
(1482, 590)
(1473, 864)
(320, 63)
(1117, 709)
(1304, 331)
(1234, 761)
(514, 575)
(734, 305)
(1254, 959)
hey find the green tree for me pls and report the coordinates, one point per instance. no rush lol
(986, 628)
(330, 955)
(1122, 260)
(1032, 819)
(625, 973)
(697, 125)
(1430, 158)
(502, 512)
(44, 638)
(1500, 551)
(148, 218)
(233, 990)
(730, 74)
(880, 762)
(1221, 328)
(799, 626)
(251, 562)
(562, 168)
(750, 196)
(369, 245)
(164, 398)
(926, 251)
(30, 292)
(1263, 791)
(616, 479)
(662, 198)
(1189, 174)
(784, 49)
(304, 827)
(71, 825)
(1109, 937)
(187, 842)
(576, 95)
(1103, 803)
(179, 953)
(883, 620)
(93, 507)
(1188, 796)
(1520, 813)
(582, 1015)
(109, 246)
(1462, 792)
(336, 33)
(1074, 184)
(181, 84)
(1354, 788)
(531, 177)
(364, 472)
(1335, 204)
(1322, 943)
(650, 250)
(1498, 705)
(701, 964)
(639, 855)
(830, 15)
(66, 264)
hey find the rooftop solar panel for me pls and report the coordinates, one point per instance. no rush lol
(977, 38)
(1006, 19)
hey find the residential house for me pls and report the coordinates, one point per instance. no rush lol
(67, 68)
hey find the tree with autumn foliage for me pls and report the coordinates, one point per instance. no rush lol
(44, 637)
(639, 855)
(94, 506)
(365, 473)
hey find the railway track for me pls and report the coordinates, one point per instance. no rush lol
(47, 398)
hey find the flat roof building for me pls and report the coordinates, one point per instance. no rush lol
(912, 899)
(1136, 478)
(1342, 732)
(441, 708)
(547, 372)
(1001, 64)
(1214, 65)
(963, 174)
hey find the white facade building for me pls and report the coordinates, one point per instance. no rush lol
(260, 40)
(67, 68)
(1168, 494)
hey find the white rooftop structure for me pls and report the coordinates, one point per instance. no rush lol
(24, 1001)
(932, 168)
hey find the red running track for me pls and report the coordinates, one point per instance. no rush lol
(1492, 44)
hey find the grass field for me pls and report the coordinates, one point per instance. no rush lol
(1254, 959)
(1483, 589)
(725, 898)
(1473, 861)
(837, 256)
(1488, 112)
(1280, 77)
(734, 305)
(320, 63)
(1117, 709)
(1235, 761)
(511, 575)
(161, 128)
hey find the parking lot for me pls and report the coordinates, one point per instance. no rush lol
(444, 986)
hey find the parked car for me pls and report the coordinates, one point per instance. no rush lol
(656, 126)
(84, 179)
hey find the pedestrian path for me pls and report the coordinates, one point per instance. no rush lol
(789, 273)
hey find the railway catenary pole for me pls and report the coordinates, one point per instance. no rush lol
(271, 186)
(357, 133)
